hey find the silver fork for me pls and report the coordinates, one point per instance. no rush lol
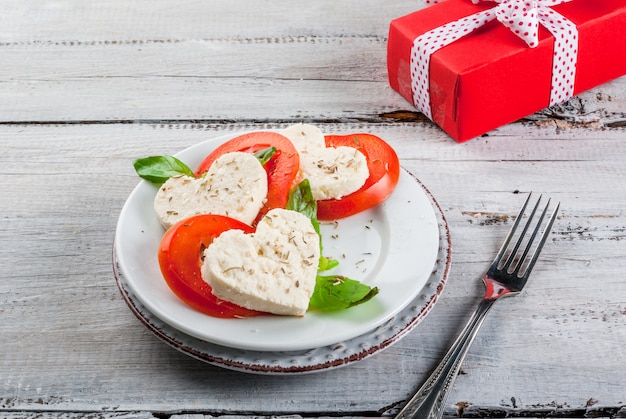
(507, 275)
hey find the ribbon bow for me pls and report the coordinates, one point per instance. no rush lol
(522, 17)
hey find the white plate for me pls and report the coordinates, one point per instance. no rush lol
(311, 360)
(393, 246)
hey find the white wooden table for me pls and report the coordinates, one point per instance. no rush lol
(87, 87)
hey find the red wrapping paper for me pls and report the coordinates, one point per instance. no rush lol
(491, 77)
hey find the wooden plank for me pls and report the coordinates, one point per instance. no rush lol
(160, 21)
(89, 86)
(112, 62)
(205, 82)
(78, 415)
(69, 343)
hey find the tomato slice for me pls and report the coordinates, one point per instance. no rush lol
(282, 168)
(180, 255)
(384, 169)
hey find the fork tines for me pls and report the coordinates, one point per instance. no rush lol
(510, 260)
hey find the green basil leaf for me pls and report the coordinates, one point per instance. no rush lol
(301, 200)
(338, 292)
(334, 292)
(158, 169)
(265, 155)
(326, 264)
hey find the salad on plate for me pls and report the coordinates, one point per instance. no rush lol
(242, 231)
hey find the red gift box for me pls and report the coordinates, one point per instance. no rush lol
(491, 77)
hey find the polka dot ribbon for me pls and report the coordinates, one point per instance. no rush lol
(523, 19)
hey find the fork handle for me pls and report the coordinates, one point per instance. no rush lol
(428, 402)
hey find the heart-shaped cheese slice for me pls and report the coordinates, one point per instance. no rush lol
(235, 186)
(332, 172)
(271, 270)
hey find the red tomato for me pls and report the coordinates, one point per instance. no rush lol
(281, 169)
(180, 255)
(384, 169)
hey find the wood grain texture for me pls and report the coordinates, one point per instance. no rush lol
(68, 329)
(86, 87)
